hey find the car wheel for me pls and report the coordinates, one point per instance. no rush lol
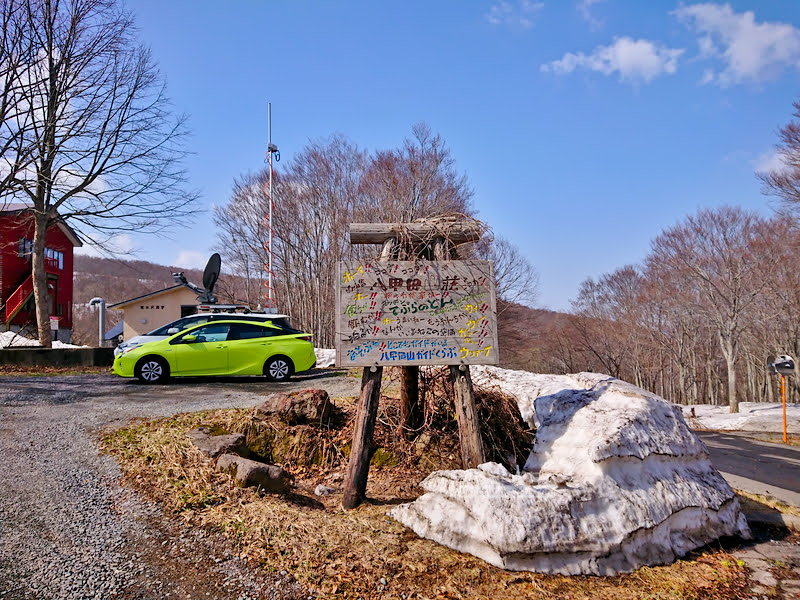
(278, 368)
(152, 369)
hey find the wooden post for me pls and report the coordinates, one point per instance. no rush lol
(411, 411)
(469, 431)
(355, 485)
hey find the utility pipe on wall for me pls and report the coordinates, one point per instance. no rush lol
(101, 334)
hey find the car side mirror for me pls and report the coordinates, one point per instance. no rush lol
(172, 330)
(189, 338)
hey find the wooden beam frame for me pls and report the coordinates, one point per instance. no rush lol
(378, 233)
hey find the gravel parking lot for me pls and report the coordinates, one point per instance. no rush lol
(68, 530)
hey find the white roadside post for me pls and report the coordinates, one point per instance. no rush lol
(54, 326)
(101, 326)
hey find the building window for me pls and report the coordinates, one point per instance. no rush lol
(52, 258)
(25, 248)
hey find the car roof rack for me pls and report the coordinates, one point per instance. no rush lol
(223, 308)
(236, 309)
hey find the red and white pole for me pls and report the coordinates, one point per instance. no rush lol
(268, 267)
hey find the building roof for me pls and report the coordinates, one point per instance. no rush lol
(115, 331)
(143, 296)
(18, 207)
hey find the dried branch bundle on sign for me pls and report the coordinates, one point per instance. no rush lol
(505, 435)
(415, 240)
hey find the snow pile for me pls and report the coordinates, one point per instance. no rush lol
(9, 339)
(616, 480)
(752, 416)
(325, 357)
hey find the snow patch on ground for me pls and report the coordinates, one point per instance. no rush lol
(616, 480)
(752, 416)
(9, 339)
(326, 357)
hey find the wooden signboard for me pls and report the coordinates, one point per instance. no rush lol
(400, 313)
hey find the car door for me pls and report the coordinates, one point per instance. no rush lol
(207, 354)
(249, 346)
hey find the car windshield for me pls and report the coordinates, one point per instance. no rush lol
(185, 322)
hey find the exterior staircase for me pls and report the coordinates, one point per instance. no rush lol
(17, 300)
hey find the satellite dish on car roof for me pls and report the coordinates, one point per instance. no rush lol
(211, 272)
(205, 294)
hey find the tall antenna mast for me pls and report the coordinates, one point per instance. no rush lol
(272, 149)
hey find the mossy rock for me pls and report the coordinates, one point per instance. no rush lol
(278, 443)
(214, 430)
(383, 458)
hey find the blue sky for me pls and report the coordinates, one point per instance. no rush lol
(585, 127)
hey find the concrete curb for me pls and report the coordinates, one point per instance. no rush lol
(773, 518)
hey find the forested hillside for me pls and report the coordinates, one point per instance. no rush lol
(116, 280)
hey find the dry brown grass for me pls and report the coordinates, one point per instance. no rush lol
(35, 371)
(759, 503)
(792, 439)
(346, 554)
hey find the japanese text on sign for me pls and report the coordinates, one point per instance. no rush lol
(416, 313)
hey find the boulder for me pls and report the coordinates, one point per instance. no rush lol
(249, 473)
(324, 490)
(616, 480)
(212, 442)
(304, 406)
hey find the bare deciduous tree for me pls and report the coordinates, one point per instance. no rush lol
(87, 135)
(605, 317)
(784, 182)
(417, 180)
(715, 296)
(721, 255)
(241, 232)
(315, 198)
(516, 279)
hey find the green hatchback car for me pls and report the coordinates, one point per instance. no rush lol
(228, 347)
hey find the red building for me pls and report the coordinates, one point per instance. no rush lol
(16, 282)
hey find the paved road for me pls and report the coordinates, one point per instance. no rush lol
(767, 468)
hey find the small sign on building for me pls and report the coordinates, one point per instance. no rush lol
(402, 313)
